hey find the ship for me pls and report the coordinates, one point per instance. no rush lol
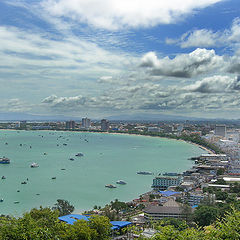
(121, 182)
(110, 186)
(145, 173)
(4, 160)
(171, 174)
(34, 165)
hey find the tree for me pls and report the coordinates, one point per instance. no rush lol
(187, 212)
(101, 225)
(63, 206)
(205, 215)
(221, 195)
(220, 171)
(40, 223)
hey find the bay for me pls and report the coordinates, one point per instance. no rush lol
(107, 158)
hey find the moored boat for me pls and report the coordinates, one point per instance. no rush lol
(110, 186)
(34, 165)
(79, 155)
(121, 182)
(4, 160)
(145, 173)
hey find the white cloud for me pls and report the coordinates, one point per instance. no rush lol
(183, 65)
(209, 38)
(215, 84)
(115, 14)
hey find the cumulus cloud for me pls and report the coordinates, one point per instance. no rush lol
(115, 14)
(215, 84)
(183, 65)
(209, 38)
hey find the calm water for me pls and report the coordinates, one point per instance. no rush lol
(107, 158)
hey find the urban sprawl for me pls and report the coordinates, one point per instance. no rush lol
(213, 179)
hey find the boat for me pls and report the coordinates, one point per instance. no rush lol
(16, 202)
(145, 173)
(45, 153)
(3, 177)
(121, 182)
(24, 182)
(79, 155)
(63, 169)
(64, 144)
(4, 160)
(110, 186)
(72, 159)
(1, 200)
(53, 177)
(34, 165)
(171, 174)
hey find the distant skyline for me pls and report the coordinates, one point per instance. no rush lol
(100, 58)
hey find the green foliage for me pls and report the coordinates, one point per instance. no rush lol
(205, 215)
(229, 227)
(221, 195)
(220, 171)
(40, 223)
(118, 206)
(64, 207)
(43, 224)
(235, 188)
(179, 224)
(221, 182)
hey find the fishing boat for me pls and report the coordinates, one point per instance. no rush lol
(4, 160)
(121, 182)
(110, 186)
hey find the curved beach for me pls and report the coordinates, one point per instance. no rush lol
(107, 158)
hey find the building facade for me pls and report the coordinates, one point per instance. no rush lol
(162, 183)
(70, 125)
(220, 130)
(86, 123)
(104, 125)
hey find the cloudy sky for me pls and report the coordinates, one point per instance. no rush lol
(100, 58)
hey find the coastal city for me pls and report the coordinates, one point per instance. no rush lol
(213, 180)
(119, 120)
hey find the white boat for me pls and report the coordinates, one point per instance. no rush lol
(121, 182)
(34, 165)
(110, 186)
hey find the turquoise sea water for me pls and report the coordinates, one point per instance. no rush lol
(107, 158)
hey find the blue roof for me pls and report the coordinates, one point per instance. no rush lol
(168, 193)
(120, 224)
(194, 206)
(71, 218)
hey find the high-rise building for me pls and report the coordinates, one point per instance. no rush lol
(104, 125)
(86, 123)
(220, 130)
(70, 125)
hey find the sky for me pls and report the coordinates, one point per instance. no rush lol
(100, 58)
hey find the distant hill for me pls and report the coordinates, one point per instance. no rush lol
(32, 117)
(153, 117)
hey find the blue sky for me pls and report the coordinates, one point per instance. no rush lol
(108, 57)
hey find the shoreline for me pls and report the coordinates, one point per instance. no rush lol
(120, 133)
(114, 133)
